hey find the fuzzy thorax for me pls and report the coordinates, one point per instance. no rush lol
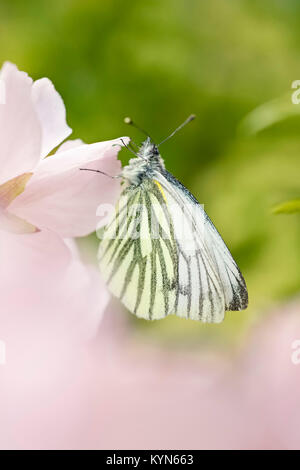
(148, 159)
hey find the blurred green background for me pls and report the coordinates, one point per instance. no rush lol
(158, 62)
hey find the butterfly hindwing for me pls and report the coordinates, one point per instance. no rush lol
(138, 253)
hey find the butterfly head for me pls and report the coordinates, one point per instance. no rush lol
(148, 150)
(147, 160)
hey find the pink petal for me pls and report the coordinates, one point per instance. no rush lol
(32, 260)
(45, 288)
(44, 322)
(84, 291)
(62, 198)
(20, 133)
(14, 224)
(51, 112)
(70, 144)
(13, 188)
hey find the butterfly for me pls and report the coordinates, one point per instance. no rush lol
(160, 254)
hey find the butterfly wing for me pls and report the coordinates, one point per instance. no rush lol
(213, 276)
(234, 285)
(138, 253)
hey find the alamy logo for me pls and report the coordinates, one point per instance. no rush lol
(296, 94)
(2, 353)
(2, 92)
(295, 356)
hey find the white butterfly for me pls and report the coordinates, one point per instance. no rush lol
(161, 254)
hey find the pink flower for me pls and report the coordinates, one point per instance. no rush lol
(44, 202)
(48, 193)
(46, 291)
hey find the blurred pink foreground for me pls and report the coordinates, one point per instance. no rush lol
(115, 394)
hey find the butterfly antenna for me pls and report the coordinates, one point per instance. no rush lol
(189, 119)
(128, 147)
(130, 122)
(102, 172)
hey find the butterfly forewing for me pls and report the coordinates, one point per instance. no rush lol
(199, 291)
(221, 284)
(234, 286)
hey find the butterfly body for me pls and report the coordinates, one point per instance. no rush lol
(161, 254)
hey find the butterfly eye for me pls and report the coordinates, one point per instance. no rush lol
(155, 151)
